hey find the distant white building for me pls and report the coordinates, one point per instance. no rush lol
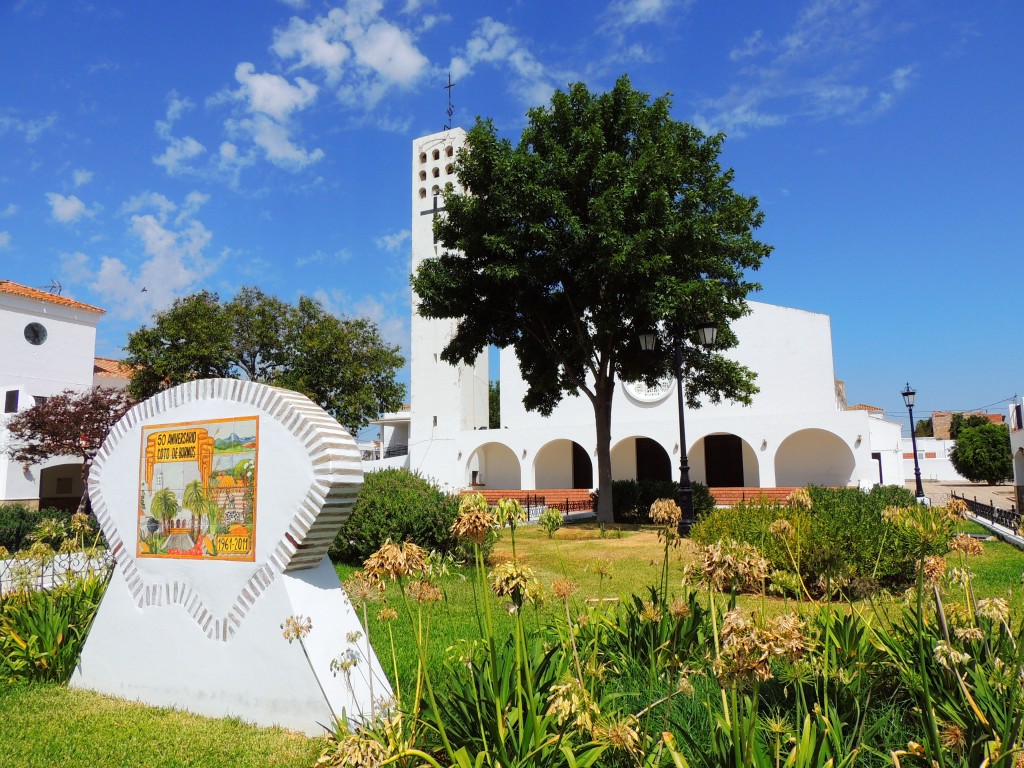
(796, 431)
(47, 345)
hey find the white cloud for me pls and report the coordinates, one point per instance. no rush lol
(393, 241)
(356, 49)
(629, 12)
(272, 95)
(9, 210)
(819, 69)
(296, 4)
(67, 210)
(314, 44)
(173, 259)
(275, 141)
(752, 46)
(175, 159)
(82, 177)
(495, 43)
(5, 240)
(321, 257)
(30, 130)
(180, 150)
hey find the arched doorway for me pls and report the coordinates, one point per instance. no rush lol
(814, 456)
(640, 458)
(563, 464)
(724, 460)
(494, 465)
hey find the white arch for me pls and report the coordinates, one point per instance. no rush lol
(552, 465)
(814, 456)
(495, 466)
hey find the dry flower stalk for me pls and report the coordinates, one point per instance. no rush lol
(396, 561)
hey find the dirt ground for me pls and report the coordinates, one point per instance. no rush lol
(1002, 496)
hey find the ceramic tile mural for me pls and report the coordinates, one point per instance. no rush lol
(197, 490)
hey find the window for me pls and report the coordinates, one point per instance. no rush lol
(423, 192)
(11, 401)
(436, 155)
(40, 400)
(423, 157)
(449, 168)
(436, 172)
(449, 150)
(423, 175)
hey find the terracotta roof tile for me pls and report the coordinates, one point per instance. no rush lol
(106, 366)
(14, 289)
(863, 407)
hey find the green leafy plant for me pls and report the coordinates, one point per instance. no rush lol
(550, 520)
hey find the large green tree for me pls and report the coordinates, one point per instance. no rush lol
(342, 364)
(982, 453)
(608, 219)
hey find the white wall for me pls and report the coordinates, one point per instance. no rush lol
(933, 467)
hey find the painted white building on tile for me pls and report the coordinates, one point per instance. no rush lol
(797, 430)
(47, 345)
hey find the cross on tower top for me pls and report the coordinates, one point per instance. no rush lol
(451, 107)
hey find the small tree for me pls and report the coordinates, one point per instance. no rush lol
(962, 421)
(982, 453)
(72, 424)
(924, 428)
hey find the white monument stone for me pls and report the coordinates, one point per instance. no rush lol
(219, 499)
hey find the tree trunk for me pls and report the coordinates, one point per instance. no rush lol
(84, 501)
(603, 391)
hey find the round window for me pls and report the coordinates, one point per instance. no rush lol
(35, 333)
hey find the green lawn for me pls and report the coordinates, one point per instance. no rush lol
(43, 725)
(50, 725)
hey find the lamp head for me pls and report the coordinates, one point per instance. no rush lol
(908, 396)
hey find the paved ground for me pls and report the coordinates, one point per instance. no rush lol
(1001, 496)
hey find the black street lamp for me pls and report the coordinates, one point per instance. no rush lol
(707, 334)
(908, 398)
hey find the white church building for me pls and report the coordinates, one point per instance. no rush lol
(798, 429)
(47, 345)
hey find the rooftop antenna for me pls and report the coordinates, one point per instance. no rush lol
(54, 287)
(451, 107)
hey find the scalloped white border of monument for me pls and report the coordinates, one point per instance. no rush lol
(204, 634)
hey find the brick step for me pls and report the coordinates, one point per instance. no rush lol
(577, 497)
(728, 497)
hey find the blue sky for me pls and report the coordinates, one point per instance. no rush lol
(175, 146)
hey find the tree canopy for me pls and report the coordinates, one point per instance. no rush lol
(342, 364)
(961, 421)
(69, 424)
(982, 453)
(608, 219)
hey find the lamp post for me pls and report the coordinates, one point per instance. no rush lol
(908, 398)
(707, 334)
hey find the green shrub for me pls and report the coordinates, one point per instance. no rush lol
(399, 505)
(632, 499)
(844, 536)
(550, 520)
(17, 521)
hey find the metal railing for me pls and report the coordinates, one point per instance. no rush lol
(535, 504)
(26, 573)
(1007, 518)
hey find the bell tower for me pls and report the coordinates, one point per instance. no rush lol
(445, 399)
